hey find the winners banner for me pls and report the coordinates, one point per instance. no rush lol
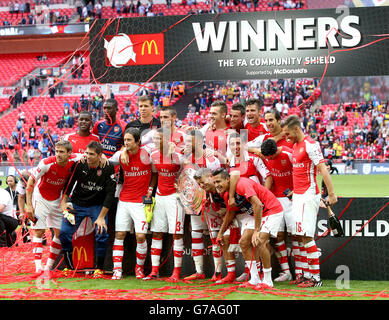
(240, 46)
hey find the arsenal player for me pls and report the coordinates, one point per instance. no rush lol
(146, 122)
(273, 124)
(259, 214)
(138, 182)
(253, 119)
(307, 158)
(168, 118)
(215, 209)
(246, 164)
(216, 133)
(195, 156)
(168, 216)
(43, 199)
(278, 159)
(83, 136)
(92, 197)
(110, 130)
(237, 116)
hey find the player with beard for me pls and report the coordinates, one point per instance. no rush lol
(253, 122)
(83, 136)
(139, 181)
(307, 158)
(43, 195)
(273, 124)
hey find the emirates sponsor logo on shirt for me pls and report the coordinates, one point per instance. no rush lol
(56, 182)
(298, 165)
(136, 173)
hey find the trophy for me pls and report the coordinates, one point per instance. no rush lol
(189, 192)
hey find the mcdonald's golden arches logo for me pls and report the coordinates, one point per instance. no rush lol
(79, 251)
(150, 44)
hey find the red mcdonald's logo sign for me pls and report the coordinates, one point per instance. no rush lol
(134, 49)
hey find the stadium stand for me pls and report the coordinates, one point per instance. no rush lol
(353, 119)
(78, 12)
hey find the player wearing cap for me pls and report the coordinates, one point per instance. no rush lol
(83, 136)
(168, 216)
(43, 195)
(259, 214)
(139, 181)
(307, 158)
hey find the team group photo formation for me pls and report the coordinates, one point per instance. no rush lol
(122, 168)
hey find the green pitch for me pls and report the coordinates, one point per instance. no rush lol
(360, 185)
(130, 288)
(349, 185)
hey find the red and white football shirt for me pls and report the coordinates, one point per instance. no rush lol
(80, 143)
(251, 166)
(217, 140)
(168, 168)
(178, 139)
(137, 175)
(211, 162)
(257, 142)
(281, 169)
(52, 177)
(306, 156)
(254, 132)
(246, 188)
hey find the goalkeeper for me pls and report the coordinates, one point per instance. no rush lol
(92, 197)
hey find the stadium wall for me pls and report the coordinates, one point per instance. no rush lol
(50, 43)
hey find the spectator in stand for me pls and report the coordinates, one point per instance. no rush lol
(45, 119)
(32, 131)
(131, 8)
